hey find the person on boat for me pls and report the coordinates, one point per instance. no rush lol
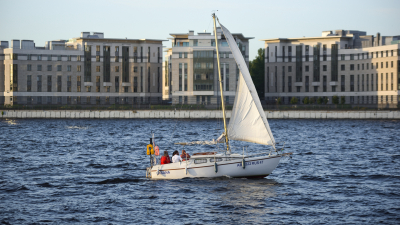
(185, 155)
(176, 157)
(165, 158)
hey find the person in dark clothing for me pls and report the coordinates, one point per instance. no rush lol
(165, 158)
(185, 155)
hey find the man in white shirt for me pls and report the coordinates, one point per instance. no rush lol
(176, 157)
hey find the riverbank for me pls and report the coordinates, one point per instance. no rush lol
(193, 114)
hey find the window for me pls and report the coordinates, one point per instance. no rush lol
(69, 68)
(59, 67)
(351, 56)
(78, 58)
(59, 58)
(307, 68)
(362, 66)
(68, 83)
(387, 64)
(116, 58)
(39, 57)
(315, 88)
(342, 56)
(358, 66)
(126, 89)
(39, 83)
(289, 68)
(342, 67)
(342, 83)
(108, 89)
(381, 64)
(59, 84)
(97, 48)
(97, 58)
(185, 55)
(97, 68)
(180, 55)
(29, 83)
(135, 69)
(298, 88)
(78, 68)
(69, 58)
(78, 84)
(39, 67)
(324, 67)
(88, 88)
(351, 82)
(391, 52)
(117, 69)
(29, 56)
(29, 67)
(49, 68)
(391, 64)
(49, 58)
(351, 66)
(49, 83)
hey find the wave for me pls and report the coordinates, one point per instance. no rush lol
(116, 181)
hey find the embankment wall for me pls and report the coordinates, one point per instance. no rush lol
(192, 114)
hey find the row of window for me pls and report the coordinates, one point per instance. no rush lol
(78, 68)
(352, 66)
(49, 84)
(85, 100)
(367, 82)
(353, 99)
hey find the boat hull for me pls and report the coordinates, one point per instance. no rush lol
(256, 167)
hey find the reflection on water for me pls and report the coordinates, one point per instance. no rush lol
(93, 171)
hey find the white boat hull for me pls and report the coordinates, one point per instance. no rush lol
(256, 167)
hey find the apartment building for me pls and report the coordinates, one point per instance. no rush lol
(364, 69)
(87, 70)
(190, 73)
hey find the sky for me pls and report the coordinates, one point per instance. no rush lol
(45, 20)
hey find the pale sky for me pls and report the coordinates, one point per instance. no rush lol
(45, 20)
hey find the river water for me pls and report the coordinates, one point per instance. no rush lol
(93, 171)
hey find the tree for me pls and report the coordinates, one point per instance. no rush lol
(257, 68)
(312, 100)
(326, 100)
(335, 99)
(319, 100)
(342, 100)
(278, 101)
(306, 100)
(293, 100)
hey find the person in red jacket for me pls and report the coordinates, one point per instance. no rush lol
(165, 158)
(185, 155)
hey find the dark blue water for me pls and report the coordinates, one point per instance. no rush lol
(93, 171)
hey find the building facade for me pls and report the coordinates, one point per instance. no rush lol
(87, 70)
(190, 70)
(358, 68)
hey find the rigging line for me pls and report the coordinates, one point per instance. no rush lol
(176, 123)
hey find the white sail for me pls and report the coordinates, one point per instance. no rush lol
(248, 121)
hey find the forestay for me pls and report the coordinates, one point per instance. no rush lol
(248, 121)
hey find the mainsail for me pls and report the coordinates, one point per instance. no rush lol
(248, 121)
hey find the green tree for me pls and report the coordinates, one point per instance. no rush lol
(278, 101)
(294, 100)
(319, 100)
(257, 68)
(306, 100)
(326, 100)
(342, 100)
(335, 99)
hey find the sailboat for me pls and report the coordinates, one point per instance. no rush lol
(247, 123)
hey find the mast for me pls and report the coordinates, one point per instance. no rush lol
(220, 85)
